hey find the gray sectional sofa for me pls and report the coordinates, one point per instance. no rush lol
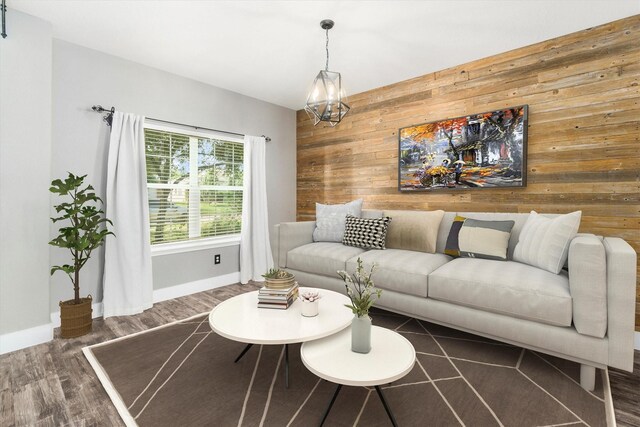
(584, 314)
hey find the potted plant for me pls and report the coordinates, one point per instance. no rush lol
(363, 294)
(276, 278)
(309, 303)
(84, 230)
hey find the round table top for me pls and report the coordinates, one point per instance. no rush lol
(240, 319)
(391, 357)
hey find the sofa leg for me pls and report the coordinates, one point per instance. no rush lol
(587, 377)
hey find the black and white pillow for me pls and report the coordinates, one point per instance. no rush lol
(366, 233)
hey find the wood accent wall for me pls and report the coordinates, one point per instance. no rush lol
(584, 134)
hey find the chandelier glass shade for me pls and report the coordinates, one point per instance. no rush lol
(326, 101)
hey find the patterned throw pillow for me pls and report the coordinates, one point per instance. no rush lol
(366, 233)
(330, 220)
(473, 238)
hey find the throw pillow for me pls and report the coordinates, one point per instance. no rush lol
(485, 239)
(452, 247)
(544, 242)
(366, 233)
(474, 238)
(414, 230)
(330, 220)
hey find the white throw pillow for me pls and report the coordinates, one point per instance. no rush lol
(330, 220)
(544, 242)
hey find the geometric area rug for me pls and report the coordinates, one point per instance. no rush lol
(182, 374)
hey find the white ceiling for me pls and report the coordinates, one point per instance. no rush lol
(272, 50)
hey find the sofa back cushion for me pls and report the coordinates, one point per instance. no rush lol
(413, 230)
(371, 213)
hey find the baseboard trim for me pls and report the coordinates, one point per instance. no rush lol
(195, 287)
(40, 334)
(25, 338)
(636, 341)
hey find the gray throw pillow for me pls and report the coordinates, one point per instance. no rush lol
(330, 220)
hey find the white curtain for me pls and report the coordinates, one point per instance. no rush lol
(128, 286)
(255, 249)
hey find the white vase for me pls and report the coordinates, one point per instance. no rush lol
(361, 334)
(309, 309)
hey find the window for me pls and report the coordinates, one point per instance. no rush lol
(194, 180)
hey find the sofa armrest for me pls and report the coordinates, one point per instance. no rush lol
(290, 235)
(621, 297)
(588, 285)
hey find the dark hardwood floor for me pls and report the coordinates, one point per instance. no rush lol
(52, 384)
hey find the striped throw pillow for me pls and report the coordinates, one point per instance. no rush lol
(366, 233)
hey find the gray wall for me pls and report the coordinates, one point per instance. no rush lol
(83, 77)
(194, 265)
(25, 149)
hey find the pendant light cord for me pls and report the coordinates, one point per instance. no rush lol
(326, 66)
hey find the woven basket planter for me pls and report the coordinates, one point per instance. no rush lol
(284, 283)
(75, 319)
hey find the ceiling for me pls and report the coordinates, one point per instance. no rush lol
(272, 50)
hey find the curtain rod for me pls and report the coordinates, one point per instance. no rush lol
(109, 117)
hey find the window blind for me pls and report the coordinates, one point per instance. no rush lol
(194, 185)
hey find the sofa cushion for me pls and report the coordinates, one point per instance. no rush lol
(504, 287)
(330, 220)
(544, 242)
(324, 258)
(371, 213)
(400, 270)
(414, 230)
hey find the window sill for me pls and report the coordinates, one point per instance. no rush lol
(195, 245)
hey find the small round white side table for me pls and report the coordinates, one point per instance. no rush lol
(239, 319)
(391, 357)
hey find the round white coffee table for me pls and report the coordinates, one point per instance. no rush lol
(391, 357)
(239, 319)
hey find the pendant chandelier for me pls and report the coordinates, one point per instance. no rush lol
(326, 101)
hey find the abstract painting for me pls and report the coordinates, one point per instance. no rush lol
(485, 150)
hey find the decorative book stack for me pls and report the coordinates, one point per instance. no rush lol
(277, 298)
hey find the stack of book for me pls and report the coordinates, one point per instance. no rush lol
(277, 298)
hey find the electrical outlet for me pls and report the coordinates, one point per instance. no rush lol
(216, 259)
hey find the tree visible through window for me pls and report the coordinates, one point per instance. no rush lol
(194, 184)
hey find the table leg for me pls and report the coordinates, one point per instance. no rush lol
(386, 407)
(243, 353)
(333, 399)
(286, 365)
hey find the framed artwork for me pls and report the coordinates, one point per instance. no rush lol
(486, 150)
